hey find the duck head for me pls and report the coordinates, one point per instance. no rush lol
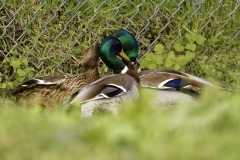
(129, 43)
(111, 48)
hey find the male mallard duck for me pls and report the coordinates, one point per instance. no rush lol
(130, 47)
(129, 43)
(54, 89)
(164, 83)
(170, 87)
(109, 92)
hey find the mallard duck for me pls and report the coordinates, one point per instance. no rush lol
(129, 43)
(110, 92)
(52, 90)
(130, 47)
(169, 86)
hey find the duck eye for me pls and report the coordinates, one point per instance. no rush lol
(118, 35)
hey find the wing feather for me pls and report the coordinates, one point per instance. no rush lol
(51, 79)
(106, 87)
(162, 78)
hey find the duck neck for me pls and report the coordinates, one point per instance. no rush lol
(131, 73)
(134, 75)
(92, 74)
(114, 63)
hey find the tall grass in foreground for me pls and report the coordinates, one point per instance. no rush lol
(208, 130)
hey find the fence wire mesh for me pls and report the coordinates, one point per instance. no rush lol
(52, 33)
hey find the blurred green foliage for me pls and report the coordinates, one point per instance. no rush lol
(208, 130)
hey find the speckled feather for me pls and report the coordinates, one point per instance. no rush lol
(54, 89)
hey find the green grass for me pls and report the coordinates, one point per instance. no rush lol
(208, 130)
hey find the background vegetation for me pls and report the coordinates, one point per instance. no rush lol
(49, 36)
(40, 37)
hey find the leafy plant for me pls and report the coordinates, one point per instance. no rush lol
(184, 50)
(221, 67)
(15, 70)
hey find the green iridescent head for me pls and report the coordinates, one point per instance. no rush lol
(129, 43)
(111, 48)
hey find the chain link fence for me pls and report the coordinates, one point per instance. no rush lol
(53, 33)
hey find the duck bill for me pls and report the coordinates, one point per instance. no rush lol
(123, 55)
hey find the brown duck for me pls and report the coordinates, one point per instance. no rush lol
(53, 90)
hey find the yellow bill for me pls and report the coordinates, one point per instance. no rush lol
(124, 56)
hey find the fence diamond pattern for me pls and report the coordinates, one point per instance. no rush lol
(42, 29)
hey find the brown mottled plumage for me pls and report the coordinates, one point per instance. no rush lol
(53, 90)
